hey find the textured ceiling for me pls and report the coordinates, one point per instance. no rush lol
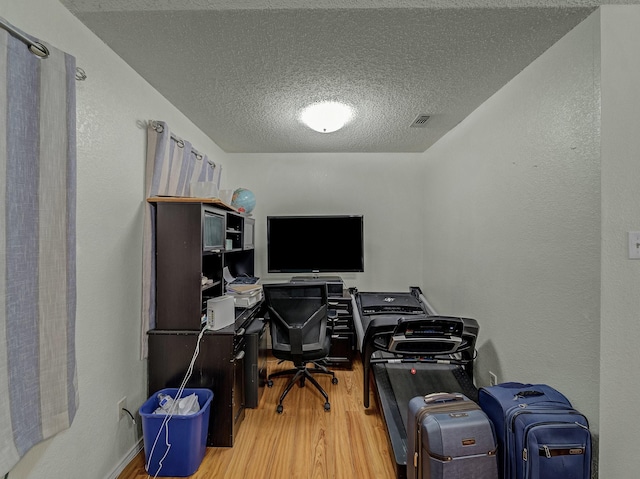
(243, 70)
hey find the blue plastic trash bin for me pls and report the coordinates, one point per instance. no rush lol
(187, 436)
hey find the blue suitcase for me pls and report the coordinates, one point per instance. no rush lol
(539, 434)
(449, 437)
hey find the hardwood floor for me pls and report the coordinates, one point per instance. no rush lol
(304, 441)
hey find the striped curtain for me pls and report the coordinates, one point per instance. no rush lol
(172, 164)
(38, 380)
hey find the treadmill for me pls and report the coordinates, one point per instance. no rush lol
(408, 350)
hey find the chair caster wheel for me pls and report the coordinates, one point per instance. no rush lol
(270, 383)
(334, 380)
(279, 409)
(327, 406)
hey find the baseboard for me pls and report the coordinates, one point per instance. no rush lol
(133, 452)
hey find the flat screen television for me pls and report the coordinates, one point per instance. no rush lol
(315, 244)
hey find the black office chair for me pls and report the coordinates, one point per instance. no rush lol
(298, 318)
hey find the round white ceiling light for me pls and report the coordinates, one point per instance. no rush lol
(326, 116)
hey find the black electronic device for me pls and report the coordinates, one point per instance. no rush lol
(255, 362)
(315, 244)
(431, 335)
(335, 286)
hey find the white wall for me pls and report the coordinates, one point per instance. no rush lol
(512, 223)
(111, 104)
(382, 187)
(501, 221)
(620, 328)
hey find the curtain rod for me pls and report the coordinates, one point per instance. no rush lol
(38, 49)
(157, 126)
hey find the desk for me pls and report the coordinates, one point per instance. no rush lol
(219, 367)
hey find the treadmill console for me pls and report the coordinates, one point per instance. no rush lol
(430, 335)
(393, 309)
(430, 327)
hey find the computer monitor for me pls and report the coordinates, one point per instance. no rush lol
(315, 244)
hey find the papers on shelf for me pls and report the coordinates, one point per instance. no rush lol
(245, 295)
(229, 279)
(247, 289)
(226, 274)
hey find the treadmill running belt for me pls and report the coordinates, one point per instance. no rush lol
(429, 378)
(396, 386)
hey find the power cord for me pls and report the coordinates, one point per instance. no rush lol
(167, 418)
(133, 419)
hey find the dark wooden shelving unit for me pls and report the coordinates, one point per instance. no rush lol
(183, 259)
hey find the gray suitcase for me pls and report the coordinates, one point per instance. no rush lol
(449, 437)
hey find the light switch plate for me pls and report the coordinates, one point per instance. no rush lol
(634, 244)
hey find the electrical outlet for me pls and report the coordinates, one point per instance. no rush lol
(122, 405)
(634, 244)
(493, 379)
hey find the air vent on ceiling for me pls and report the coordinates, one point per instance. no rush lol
(420, 121)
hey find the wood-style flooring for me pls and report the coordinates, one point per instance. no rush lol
(304, 442)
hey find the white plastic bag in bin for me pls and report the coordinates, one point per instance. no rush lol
(185, 406)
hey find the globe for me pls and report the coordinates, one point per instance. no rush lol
(243, 200)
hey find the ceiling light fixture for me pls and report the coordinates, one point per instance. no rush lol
(326, 116)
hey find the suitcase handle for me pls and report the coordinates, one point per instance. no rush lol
(528, 394)
(435, 397)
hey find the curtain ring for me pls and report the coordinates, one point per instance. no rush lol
(180, 143)
(198, 156)
(39, 50)
(80, 74)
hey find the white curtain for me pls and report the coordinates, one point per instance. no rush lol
(172, 164)
(38, 379)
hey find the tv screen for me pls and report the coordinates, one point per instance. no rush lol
(315, 244)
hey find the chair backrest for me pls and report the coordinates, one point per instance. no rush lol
(298, 318)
